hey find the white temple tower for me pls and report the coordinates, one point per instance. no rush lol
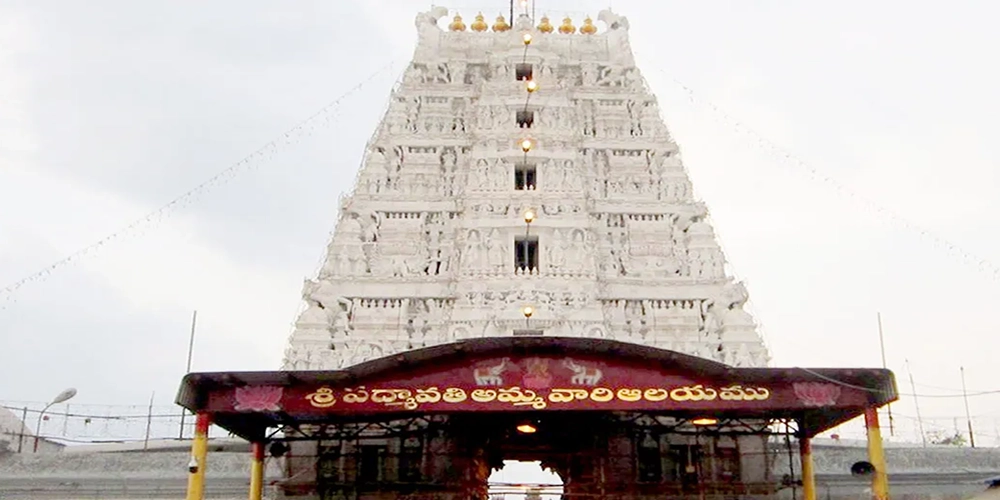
(433, 245)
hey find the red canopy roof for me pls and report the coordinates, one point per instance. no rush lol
(535, 374)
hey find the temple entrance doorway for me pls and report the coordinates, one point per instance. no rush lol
(614, 421)
(524, 480)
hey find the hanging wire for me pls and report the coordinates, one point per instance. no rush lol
(226, 174)
(882, 391)
(325, 253)
(970, 258)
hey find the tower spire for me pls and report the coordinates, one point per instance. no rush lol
(505, 181)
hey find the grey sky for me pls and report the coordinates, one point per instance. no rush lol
(110, 109)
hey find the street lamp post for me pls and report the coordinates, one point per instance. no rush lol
(61, 398)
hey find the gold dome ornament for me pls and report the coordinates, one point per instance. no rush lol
(457, 24)
(545, 26)
(567, 27)
(501, 24)
(480, 23)
(588, 27)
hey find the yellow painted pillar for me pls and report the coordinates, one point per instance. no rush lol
(199, 455)
(876, 456)
(257, 471)
(808, 473)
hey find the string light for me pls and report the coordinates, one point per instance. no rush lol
(526, 38)
(982, 265)
(302, 129)
(529, 216)
(527, 311)
(531, 86)
(526, 145)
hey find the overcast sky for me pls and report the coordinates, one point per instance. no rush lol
(110, 109)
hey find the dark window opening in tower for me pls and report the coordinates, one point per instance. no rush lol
(525, 177)
(526, 254)
(523, 71)
(525, 118)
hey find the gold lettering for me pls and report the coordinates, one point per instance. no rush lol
(656, 394)
(710, 394)
(454, 395)
(697, 393)
(681, 394)
(693, 393)
(602, 394)
(732, 393)
(530, 396)
(383, 396)
(630, 395)
(538, 403)
(567, 395)
(430, 395)
(391, 397)
(322, 398)
(516, 395)
(756, 394)
(561, 395)
(484, 395)
(359, 395)
(740, 393)
(403, 397)
(510, 395)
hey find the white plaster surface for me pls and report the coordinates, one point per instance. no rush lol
(135, 465)
(828, 460)
(423, 249)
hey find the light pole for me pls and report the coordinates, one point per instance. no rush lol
(62, 397)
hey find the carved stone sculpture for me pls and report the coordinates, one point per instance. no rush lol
(497, 251)
(623, 249)
(369, 225)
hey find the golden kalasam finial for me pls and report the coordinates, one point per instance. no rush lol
(567, 27)
(457, 24)
(545, 26)
(479, 24)
(588, 27)
(501, 24)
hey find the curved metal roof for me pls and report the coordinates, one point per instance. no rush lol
(878, 383)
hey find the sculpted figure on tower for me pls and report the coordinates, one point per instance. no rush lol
(432, 244)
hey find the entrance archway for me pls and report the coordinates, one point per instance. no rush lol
(524, 480)
(613, 420)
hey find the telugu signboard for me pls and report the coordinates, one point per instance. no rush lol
(534, 383)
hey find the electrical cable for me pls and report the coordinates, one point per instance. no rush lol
(9, 290)
(970, 258)
(881, 391)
